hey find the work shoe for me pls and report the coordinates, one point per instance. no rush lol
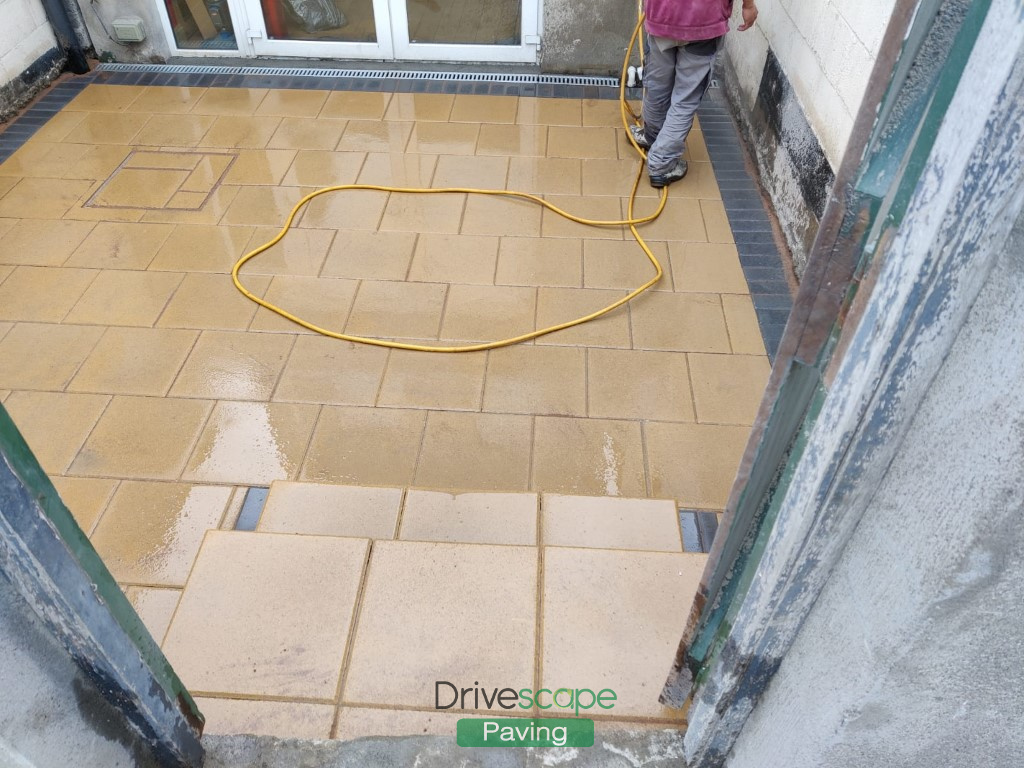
(659, 180)
(639, 136)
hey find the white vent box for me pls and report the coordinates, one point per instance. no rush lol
(128, 30)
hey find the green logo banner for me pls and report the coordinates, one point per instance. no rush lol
(525, 732)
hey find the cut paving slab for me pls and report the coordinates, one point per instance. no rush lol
(607, 523)
(332, 510)
(479, 518)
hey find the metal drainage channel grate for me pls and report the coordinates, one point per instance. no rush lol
(252, 508)
(375, 74)
(699, 529)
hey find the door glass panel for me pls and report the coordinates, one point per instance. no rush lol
(347, 21)
(202, 24)
(465, 22)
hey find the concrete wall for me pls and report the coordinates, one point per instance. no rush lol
(586, 38)
(913, 655)
(796, 81)
(100, 13)
(29, 57)
(50, 713)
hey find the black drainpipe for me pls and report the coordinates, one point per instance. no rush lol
(57, 14)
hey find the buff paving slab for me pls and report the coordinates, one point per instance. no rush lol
(639, 384)
(456, 259)
(122, 297)
(420, 380)
(332, 510)
(362, 255)
(85, 497)
(560, 305)
(534, 379)
(589, 457)
(540, 175)
(422, 107)
(474, 518)
(233, 366)
(210, 302)
(150, 532)
(155, 607)
(142, 438)
(328, 371)
(475, 313)
(42, 243)
(252, 443)
(512, 140)
(611, 264)
(201, 248)
(598, 635)
(468, 613)
(324, 303)
(727, 389)
(41, 356)
(473, 172)
(694, 463)
(43, 294)
(320, 168)
(741, 321)
(55, 424)
(475, 451)
(601, 522)
(381, 446)
(288, 644)
(534, 261)
(302, 253)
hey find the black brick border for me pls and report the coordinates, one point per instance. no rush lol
(751, 227)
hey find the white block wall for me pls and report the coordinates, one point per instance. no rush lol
(25, 35)
(827, 49)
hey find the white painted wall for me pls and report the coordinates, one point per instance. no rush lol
(25, 35)
(913, 656)
(827, 49)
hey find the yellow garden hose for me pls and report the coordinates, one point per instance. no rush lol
(630, 221)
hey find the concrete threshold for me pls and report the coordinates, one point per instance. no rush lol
(612, 749)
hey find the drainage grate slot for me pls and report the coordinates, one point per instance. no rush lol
(371, 74)
(252, 508)
(698, 528)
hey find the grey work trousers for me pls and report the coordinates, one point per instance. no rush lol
(674, 83)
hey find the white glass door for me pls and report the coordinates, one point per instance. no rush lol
(418, 30)
(321, 29)
(466, 30)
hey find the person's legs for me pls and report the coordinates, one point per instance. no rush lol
(692, 73)
(659, 75)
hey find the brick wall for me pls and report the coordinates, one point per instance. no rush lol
(25, 35)
(29, 55)
(795, 82)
